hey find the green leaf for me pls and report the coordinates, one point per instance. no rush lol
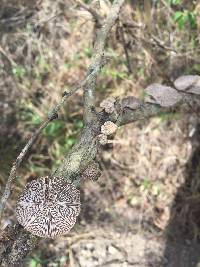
(178, 15)
(19, 71)
(88, 52)
(36, 119)
(79, 124)
(183, 17)
(192, 20)
(174, 2)
(54, 129)
(33, 263)
(70, 141)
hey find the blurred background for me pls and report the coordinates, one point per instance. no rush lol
(144, 210)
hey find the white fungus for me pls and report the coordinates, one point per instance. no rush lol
(48, 207)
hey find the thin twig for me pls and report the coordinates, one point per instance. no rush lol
(16, 165)
(97, 18)
(98, 54)
(7, 56)
(67, 94)
(129, 67)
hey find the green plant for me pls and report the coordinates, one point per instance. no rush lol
(41, 68)
(35, 262)
(29, 116)
(114, 73)
(54, 129)
(185, 17)
(19, 71)
(174, 2)
(146, 185)
(170, 116)
(88, 52)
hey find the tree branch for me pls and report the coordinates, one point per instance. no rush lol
(17, 164)
(15, 244)
(97, 18)
(98, 54)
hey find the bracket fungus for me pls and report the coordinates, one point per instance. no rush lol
(103, 140)
(48, 206)
(108, 104)
(108, 128)
(188, 83)
(92, 172)
(130, 102)
(162, 95)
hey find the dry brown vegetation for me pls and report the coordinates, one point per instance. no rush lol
(150, 180)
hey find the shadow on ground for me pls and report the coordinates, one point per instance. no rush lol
(182, 247)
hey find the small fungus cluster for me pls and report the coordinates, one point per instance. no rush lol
(92, 172)
(108, 104)
(108, 128)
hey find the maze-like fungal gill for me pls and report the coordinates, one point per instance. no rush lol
(48, 206)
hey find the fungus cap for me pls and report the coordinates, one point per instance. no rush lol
(108, 128)
(108, 104)
(48, 207)
(163, 95)
(92, 172)
(103, 140)
(188, 83)
(130, 102)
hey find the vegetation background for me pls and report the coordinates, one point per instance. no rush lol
(149, 189)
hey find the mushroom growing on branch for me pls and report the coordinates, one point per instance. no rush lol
(162, 95)
(108, 128)
(48, 206)
(92, 172)
(108, 104)
(188, 83)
